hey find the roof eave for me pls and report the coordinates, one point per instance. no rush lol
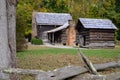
(102, 28)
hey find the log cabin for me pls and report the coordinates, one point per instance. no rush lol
(53, 28)
(95, 33)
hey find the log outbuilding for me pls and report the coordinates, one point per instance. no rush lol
(53, 28)
(95, 33)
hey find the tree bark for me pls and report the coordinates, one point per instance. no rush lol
(11, 18)
(4, 47)
(7, 36)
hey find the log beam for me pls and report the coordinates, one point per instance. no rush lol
(88, 63)
(113, 76)
(62, 73)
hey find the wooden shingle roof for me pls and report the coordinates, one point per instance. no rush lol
(97, 23)
(43, 18)
(58, 28)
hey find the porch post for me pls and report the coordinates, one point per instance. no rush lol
(49, 35)
(52, 38)
(48, 38)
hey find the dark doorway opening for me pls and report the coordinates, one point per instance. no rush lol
(84, 40)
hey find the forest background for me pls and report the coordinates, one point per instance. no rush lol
(109, 9)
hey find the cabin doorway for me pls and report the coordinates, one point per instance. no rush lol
(82, 40)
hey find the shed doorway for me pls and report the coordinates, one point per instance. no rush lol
(82, 40)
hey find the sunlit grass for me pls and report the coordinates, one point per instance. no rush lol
(105, 53)
(45, 58)
(49, 58)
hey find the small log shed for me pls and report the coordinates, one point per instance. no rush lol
(95, 33)
(53, 28)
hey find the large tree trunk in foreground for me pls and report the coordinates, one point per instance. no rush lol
(4, 47)
(7, 36)
(11, 16)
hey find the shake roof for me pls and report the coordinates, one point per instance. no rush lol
(52, 18)
(97, 23)
(58, 28)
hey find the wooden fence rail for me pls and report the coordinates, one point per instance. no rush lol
(63, 73)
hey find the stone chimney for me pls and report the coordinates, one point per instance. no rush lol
(71, 33)
(34, 25)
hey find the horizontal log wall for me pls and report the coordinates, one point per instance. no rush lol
(97, 38)
(42, 28)
(102, 35)
(101, 38)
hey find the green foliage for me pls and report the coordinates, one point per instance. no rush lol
(77, 8)
(55, 5)
(117, 18)
(28, 32)
(37, 41)
(20, 30)
(117, 6)
(118, 34)
(25, 12)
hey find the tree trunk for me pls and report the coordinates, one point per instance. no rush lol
(11, 15)
(4, 47)
(11, 18)
(7, 36)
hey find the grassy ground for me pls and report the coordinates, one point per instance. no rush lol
(41, 57)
